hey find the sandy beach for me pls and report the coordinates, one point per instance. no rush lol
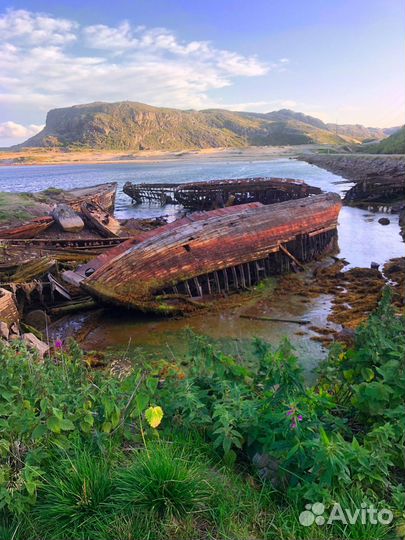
(42, 156)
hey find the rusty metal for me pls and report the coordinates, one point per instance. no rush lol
(226, 249)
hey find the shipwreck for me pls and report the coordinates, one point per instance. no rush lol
(214, 194)
(175, 268)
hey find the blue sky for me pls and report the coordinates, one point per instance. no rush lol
(340, 60)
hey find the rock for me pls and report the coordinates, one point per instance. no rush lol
(14, 329)
(374, 265)
(384, 221)
(4, 331)
(67, 218)
(34, 343)
(346, 335)
(38, 319)
(402, 217)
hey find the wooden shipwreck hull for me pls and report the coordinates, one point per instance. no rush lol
(101, 194)
(27, 230)
(175, 267)
(221, 193)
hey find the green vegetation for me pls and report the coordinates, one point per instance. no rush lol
(394, 144)
(217, 448)
(136, 126)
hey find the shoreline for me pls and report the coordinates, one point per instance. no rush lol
(39, 157)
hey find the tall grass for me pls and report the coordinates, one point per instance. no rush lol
(164, 482)
(74, 500)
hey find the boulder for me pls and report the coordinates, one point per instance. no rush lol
(384, 221)
(67, 218)
(38, 319)
(34, 343)
(4, 331)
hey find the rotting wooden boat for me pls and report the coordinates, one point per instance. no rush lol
(173, 268)
(27, 230)
(100, 220)
(8, 309)
(222, 193)
(101, 194)
(159, 193)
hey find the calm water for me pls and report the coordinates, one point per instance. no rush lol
(361, 240)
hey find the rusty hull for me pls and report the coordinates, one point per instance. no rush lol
(178, 265)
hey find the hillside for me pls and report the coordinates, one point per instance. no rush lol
(394, 144)
(360, 133)
(136, 126)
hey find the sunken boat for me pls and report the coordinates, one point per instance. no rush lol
(174, 268)
(214, 194)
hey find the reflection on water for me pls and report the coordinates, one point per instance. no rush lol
(361, 239)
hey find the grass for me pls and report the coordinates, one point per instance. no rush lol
(73, 502)
(164, 482)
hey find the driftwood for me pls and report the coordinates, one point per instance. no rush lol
(212, 253)
(73, 306)
(274, 319)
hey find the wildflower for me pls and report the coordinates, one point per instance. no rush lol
(293, 425)
(300, 418)
(58, 344)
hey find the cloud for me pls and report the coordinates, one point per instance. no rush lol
(48, 62)
(12, 130)
(35, 28)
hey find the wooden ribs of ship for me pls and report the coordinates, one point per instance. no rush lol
(173, 268)
(375, 188)
(221, 193)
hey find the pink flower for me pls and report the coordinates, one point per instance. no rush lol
(293, 425)
(58, 344)
(300, 418)
(290, 413)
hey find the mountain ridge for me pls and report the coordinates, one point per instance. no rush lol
(128, 125)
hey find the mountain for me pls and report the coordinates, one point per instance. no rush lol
(135, 126)
(394, 144)
(359, 133)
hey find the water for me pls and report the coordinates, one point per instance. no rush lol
(361, 240)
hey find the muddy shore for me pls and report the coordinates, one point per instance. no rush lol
(357, 167)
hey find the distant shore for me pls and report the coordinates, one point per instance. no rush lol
(42, 156)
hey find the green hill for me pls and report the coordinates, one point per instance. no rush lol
(136, 126)
(394, 144)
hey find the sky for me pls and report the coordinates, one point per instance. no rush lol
(339, 60)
